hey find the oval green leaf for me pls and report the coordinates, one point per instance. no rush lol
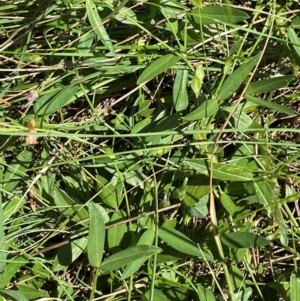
(180, 95)
(269, 85)
(294, 287)
(223, 172)
(18, 296)
(208, 108)
(115, 234)
(237, 77)
(128, 256)
(158, 295)
(157, 67)
(197, 80)
(264, 190)
(96, 237)
(237, 240)
(205, 294)
(218, 14)
(182, 243)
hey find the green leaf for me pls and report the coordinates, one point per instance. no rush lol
(205, 294)
(158, 295)
(96, 237)
(228, 204)
(236, 273)
(68, 207)
(54, 101)
(69, 253)
(135, 177)
(284, 238)
(98, 26)
(195, 189)
(180, 95)
(191, 38)
(223, 172)
(295, 40)
(270, 105)
(157, 67)
(16, 170)
(197, 3)
(115, 234)
(294, 288)
(218, 14)
(265, 192)
(171, 9)
(110, 191)
(182, 243)
(85, 42)
(128, 256)
(269, 85)
(139, 126)
(197, 80)
(147, 238)
(237, 77)
(240, 120)
(295, 22)
(12, 269)
(14, 294)
(207, 109)
(32, 293)
(165, 123)
(243, 294)
(247, 240)
(126, 16)
(200, 210)
(3, 248)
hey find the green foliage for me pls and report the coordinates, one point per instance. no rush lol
(96, 236)
(149, 150)
(157, 67)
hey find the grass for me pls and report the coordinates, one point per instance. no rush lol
(149, 150)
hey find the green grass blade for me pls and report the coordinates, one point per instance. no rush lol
(98, 27)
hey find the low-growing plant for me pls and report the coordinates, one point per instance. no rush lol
(149, 150)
